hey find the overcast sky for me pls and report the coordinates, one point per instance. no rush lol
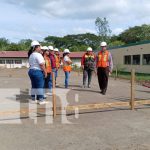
(36, 19)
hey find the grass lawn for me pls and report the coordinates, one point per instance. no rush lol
(127, 75)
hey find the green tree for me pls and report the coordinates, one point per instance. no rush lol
(135, 34)
(103, 29)
(4, 44)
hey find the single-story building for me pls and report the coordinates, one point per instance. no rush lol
(130, 56)
(19, 59)
(125, 57)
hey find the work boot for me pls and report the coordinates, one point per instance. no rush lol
(103, 92)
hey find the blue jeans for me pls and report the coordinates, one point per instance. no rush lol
(56, 74)
(37, 82)
(67, 75)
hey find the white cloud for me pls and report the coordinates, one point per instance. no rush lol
(60, 17)
(117, 31)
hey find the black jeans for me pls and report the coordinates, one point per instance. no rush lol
(103, 74)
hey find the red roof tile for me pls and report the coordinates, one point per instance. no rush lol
(15, 54)
(24, 54)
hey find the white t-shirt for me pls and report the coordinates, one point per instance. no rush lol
(35, 60)
(66, 59)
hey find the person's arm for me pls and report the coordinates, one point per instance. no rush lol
(42, 66)
(41, 62)
(82, 61)
(96, 61)
(67, 60)
(110, 63)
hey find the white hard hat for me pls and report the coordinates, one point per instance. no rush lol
(89, 49)
(34, 43)
(66, 51)
(103, 44)
(50, 48)
(44, 48)
(56, 50)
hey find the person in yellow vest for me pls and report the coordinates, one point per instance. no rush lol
(88, 66)
(67, 66)
(104, 67)
(58, 62)
(48, 79)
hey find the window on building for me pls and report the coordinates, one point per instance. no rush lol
(9, 61)
(127, 60)
(2, 61)
(136, 60)
(146, 59)
(19, 61)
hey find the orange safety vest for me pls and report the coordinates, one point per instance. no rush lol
(57, 61)
(66, 67)
(103, 59)
(48, 64)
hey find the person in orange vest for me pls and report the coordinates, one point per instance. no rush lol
(104, 67)
(88, 66)
(67, 66)
(58, 62)
(48, 79)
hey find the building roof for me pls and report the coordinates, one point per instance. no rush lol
(24, 54)
(131, 44)
(14, 54)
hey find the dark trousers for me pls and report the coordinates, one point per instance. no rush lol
(87, 73)
(103, 74)
(48, 82)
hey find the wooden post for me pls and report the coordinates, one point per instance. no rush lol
(132, 89)
(116, 74)
(54, 95)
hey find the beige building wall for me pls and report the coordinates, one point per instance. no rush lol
(119, 53)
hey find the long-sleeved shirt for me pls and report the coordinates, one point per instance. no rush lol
(53, 61)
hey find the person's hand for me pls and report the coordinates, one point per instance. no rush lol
(45, 74)
(82, 67)
(110, 73)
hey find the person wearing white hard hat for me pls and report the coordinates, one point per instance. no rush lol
(53, 60)
(43, 48)
(37, 72)
(48, 79)
(88, 66)
(104, 67)
(58, 62)
(67, 66)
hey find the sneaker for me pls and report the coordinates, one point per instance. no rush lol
(89, 86)
(44, 97)
(33, 101)
(49, 94)
(42, 102)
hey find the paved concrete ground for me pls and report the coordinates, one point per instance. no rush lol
(109, 129)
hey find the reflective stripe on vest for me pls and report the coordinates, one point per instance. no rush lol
(48, 64)
(57, 61)
(103, 59)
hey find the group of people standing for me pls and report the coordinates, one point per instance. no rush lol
(44, 64)
(101, 63)
(45, 61)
